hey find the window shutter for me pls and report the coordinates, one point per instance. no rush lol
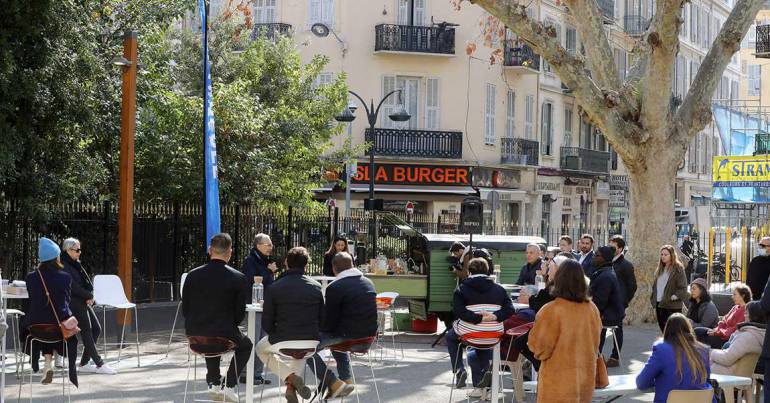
(432, 104)
(315, 11)
(489, 124)
(327, 12)
(419, 12)
(402, 17)
(510, 114)
(529, 107)
(388, 107)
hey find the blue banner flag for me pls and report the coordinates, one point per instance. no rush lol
(209, 145)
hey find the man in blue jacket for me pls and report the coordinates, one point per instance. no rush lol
(532, 267)
(608, 297)
(586, 253)
(350, 313)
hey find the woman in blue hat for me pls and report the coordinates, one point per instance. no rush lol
(46, 309)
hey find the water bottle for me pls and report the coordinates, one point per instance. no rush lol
(257, 291)
(539, 282)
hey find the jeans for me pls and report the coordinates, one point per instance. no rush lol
(237, 364)
(480, 362)
(455, 351)
(259, 366)
(319, 368)
(89, 335)
(619, 335)
(701, 333)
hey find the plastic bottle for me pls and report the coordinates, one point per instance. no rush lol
(539, 282)
(257, 291)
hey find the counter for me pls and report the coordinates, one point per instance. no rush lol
(406, 285)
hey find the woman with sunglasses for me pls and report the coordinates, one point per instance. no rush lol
(759, 269)
(81, 300)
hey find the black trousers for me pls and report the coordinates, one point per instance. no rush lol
(619, 335)
(90, 329)
(520, 343)
(662, 314)
(242, 352)
(716, 342)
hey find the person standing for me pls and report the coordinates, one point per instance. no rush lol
(759, 269)
(214, 302)
(669, 290)
(624, 270)
(565, 245)
(586, 253)
(565, 339)
(688, 247)
(339, 244)
(82, 298)
(533, 266)
(259, 263)
(608, 297)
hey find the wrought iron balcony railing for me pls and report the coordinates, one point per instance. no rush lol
(635, 25)
(271, 30)
(412, 38)
(585, 160)
(762, 144)
(608, 8)
(416, 143)
(763, 41)
(521, 55)
(519, 151)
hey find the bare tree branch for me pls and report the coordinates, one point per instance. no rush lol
(695, 112)
(599, 57)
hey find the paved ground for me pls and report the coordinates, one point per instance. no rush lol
(421, 376)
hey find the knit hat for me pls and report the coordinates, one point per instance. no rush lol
(701, 282)
(607, 252)
(47, 250)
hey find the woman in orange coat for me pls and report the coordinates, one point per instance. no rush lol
(565, 339)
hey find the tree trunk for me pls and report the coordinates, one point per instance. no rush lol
(651, 223)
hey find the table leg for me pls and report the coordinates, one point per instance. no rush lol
(496, 373)
(729, 397)
(251, 333)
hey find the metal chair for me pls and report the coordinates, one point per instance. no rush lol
(358, 347)
(469, 340)
(292, 350)
(612, 329)
(207, 347)
(108, 292)
(45, 334)
(690, 396)
(176, 315)
(386, 307)
(18, 355)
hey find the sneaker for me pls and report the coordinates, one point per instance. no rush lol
(88, 368)
(47, 376)
(477, 392)
(613, 363)
(339, 388)
(299, 386)
(215, 392)
(460, 379)
(291, 394)
(105, 370)
(230, 394)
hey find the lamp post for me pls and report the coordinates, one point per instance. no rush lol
(371, 114)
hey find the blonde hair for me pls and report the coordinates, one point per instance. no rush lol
(675, 264)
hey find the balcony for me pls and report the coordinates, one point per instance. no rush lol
(416, 143)
(522, 57)
(519, 151)
(608, 9)
(583, 160)
(271, 30)
(438, 40)
(762, 144)
(763, 41)
(635, 25)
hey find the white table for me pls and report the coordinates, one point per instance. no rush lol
(5, 296)
(324, 280)
(625, 385)
(252, 310)
(517, 306)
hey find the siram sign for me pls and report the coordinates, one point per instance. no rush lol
(741, 171)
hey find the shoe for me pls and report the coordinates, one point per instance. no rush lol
(613, 363)
(291, 394)
(215, 392)
(477, 392)
(460, 379)
(258, 380)
(486, 380)
(299, 386)
(47, 376)
(339, 388)
(229, 394)
(105, 370)
(88, 368)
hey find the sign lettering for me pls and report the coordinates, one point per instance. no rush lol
(741, 171)
(432, 175)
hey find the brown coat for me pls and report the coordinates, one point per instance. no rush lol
(566, 339)
(676, 285)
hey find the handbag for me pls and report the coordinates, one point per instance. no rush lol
(602, 379)
(69, 327)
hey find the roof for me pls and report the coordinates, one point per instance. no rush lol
(499, 242)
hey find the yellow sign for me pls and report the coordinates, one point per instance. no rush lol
(741, 171)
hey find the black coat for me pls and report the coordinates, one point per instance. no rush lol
(256, 265)
(480, 290)
(607, 295)
(214, 301)
(757, 275)
(82, 288)
(351, 308)
(765, 302)
(541, 298)
(588, 268)
(624, 270)
(528, 273)
(293, 308)
(327, 269)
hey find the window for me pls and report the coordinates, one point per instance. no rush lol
(755, 70)
(692, 156)
(510, 114)
(546, 128)
(694, 15)
(324, 78)
(734, 89)
(571, 40)
(489, 115)
(686, 19)
(703, 27)
(529, 117)
(568, 126)
(264, 11)
(545, 222)
(752, 36)
(717, 28)
(432, 104)
(414, 16)
(586, 132)
(620, 62)
(322, 11)
(408, 98)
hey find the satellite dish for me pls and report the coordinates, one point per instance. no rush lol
(320, 30)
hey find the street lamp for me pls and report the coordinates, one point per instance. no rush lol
(402, 115)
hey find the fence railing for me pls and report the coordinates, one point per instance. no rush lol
(519, 151)
(416, 143)
(413, 38)
(271, 30)
(763, 40)
(635, 25)
(521, 55)
(585, 160)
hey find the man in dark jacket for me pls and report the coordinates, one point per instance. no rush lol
(759, 269)
(214, 304)
(586, 255)
(478, 288)
(81, 300)
(350, 313)
(624, 269)
(765, 356)
(533, 266)
(259, 263)
(292, 310)
(607, 295)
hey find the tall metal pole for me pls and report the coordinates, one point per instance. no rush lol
(372, 116)
(127, 133)
(349, 173)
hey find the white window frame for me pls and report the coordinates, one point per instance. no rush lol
(325, 10)
(489, 114)
(546, 128)
(754, 80)
(529, 117)
(265, 11)
(510, 114)
(568, 119)
(432, 104)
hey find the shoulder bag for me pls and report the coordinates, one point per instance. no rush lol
(69, 327)
(602, 378)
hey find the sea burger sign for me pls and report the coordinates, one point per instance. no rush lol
(412, 174)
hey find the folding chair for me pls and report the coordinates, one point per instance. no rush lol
(176, 315)
(108, 292)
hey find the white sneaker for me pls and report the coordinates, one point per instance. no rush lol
(89, 368)
(230, 394)
(476, 392)
(105, 370)
(215, 392)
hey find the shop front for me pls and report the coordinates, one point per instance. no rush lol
(618, 203)
(504, 193)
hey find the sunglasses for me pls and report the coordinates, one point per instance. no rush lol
(764, 246)
(76, 250)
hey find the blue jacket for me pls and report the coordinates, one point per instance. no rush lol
(256, 265)
(660, 372)
(607, 295)
(59, 286)
(351, 308)
(480, 290)
(587, 267)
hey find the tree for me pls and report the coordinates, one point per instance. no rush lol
(634, 115)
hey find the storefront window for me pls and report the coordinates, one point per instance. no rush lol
(546, 217)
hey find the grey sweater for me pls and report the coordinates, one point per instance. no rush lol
(706, 315)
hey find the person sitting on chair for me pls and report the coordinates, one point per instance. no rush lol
(292, 310)
(214, 302)
(350, 313)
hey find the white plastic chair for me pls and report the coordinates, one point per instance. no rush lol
(386, 302)
(176, 315)
(108, 292)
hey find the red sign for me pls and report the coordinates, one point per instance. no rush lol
(409, 207)
(408, 174)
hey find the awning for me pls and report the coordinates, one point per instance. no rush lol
(461, 190)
